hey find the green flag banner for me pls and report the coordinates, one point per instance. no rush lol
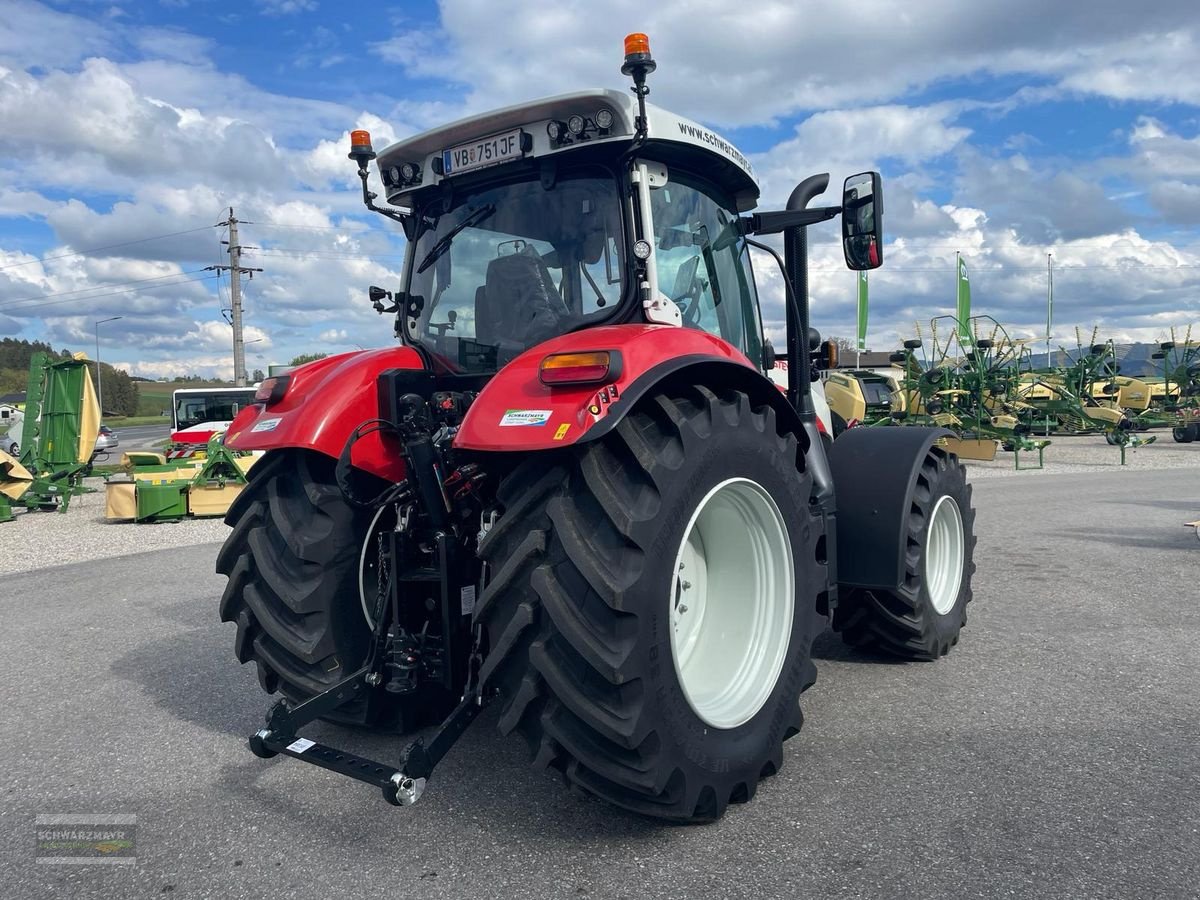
(963, 310)
(862, 310)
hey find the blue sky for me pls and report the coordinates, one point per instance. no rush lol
(1004, 131)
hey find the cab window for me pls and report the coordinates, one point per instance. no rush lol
(703, 263)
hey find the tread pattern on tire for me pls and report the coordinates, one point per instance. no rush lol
(903, 623)
(291, 560)
(563, 622)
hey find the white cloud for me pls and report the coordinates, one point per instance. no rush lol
(730, 65)
(115, 132)
(286, 7)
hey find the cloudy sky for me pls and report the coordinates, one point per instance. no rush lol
(1005, 131)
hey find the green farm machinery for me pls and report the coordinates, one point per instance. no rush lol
(968, 384)
(58, 436)
(153, 489)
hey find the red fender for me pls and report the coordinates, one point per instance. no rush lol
(325, 401)
(515, 411)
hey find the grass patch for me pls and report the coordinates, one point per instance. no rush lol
(155, 396)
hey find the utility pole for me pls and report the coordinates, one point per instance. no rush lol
(236, 269)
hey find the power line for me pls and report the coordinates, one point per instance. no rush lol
(11, 303)
(136, 290)
(157, 237)
(305, 227)
(324, 255)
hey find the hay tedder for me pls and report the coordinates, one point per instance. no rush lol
(1177, 404)
(967, 383)
(572, 491)
(1084, 396)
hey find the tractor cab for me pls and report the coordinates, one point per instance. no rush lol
(541, 219)
(583, 209)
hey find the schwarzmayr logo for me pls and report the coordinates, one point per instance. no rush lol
(76, 839)
(717, 142)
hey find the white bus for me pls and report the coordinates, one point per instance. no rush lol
(199, 413)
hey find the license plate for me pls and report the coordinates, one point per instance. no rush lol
(486, 152)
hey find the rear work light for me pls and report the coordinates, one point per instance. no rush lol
(588, 367)
(272, 389)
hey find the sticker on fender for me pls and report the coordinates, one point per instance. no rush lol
(525, 417)
(267, 424)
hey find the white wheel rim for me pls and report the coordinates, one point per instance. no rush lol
(732, 600)
(944, 555)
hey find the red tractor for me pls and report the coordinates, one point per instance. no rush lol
(572, 490)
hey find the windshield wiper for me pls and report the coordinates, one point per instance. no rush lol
(447, 239)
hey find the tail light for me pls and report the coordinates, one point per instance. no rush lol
(588, 367)
(272, 389)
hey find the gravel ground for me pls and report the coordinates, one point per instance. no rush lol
(36, 540)
(1090, 453)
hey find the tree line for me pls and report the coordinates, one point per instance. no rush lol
(120, 391)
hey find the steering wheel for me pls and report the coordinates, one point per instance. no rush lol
(687, 289)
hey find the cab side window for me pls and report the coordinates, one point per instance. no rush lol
(703, 265)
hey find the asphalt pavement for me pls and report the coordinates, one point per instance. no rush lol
(142, 437)
(1054, 753)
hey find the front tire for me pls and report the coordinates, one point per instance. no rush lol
(922, 618)
(1184, 434)
(583, 614)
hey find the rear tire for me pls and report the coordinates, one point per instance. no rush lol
(583, 608)
(922, 619)
(292, 561)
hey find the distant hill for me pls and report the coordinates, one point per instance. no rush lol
(1134, 359)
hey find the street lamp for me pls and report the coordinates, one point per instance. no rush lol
(99, 380)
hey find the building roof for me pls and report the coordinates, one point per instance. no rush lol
(868, 359)
(12, 398)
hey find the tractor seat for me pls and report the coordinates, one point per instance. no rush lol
(518, 303)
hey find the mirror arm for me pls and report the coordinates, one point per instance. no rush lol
(775, 222)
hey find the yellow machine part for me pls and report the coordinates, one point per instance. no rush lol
(212, 501)
(1132, 393)
(182, 473)
(245, 462)
(136, 458)
(984, 450)
(845, 397)
(899, 399)
(89, 421)
(1105, 414)
(1030, 390)
(120, 500)
(14, 477)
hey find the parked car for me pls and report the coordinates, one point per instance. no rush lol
(106, 440)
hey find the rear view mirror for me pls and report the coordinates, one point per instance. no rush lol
(862, 221)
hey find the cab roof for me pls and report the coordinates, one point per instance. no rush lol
(673, 139)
